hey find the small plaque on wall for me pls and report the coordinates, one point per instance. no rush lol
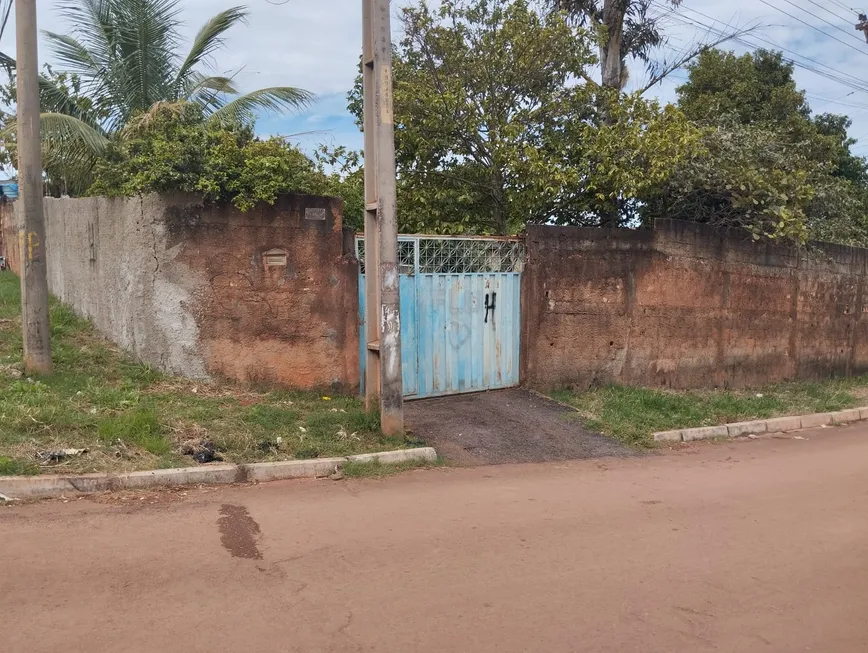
(315, 214)
(274, 257)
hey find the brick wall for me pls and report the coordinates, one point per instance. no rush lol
(685, 306)
(266, 295)
(270, 295)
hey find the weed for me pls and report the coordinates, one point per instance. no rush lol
(98, 396)
(15, 467)
(275, 418)
(139, 427)
(632, 414)
(376, 469)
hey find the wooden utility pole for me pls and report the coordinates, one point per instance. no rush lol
(31, 235)
(383, 375)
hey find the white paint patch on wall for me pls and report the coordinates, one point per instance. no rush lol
(179, 328)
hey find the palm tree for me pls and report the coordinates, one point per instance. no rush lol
(126, 54)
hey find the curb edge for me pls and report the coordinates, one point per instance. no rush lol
(53, 486)
(758, 427)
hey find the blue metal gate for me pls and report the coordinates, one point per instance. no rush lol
(460, 313)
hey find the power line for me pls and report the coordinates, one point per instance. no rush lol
(839, 101)
(814, 27)
(856, 84)
(845, 7)
(818, 68)
(840, 76)
(846, 19)
(850, 34)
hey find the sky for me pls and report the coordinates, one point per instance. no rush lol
(315, 44)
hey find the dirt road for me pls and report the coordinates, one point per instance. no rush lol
(751, 546)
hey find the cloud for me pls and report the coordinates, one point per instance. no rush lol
(315, 44)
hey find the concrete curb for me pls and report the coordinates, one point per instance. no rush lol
(48, 486)
(758, 427)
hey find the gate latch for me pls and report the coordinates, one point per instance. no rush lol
(490, 307)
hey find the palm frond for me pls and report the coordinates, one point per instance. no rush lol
(70, 149)
(94, 28)
(208, 40)
(78, 60)
(7, 62)
(197, 83)
(69, 130)
(148, 40)
(72, 54)
(209, 92)
(276, 99)
(54, 98)
(92, 51)
(124, 51)
(70, 146)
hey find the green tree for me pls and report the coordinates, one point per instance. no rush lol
(172, 149)
(765, 163)
(346, 179)
(126, 56)
(61, 92)
(624, 159)
(759, 89)
(482, 92)
(740, 177)
(753, 88)
(846, 164)
(494, 127)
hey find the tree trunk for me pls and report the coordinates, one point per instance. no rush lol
(611, 64)
(610, 52)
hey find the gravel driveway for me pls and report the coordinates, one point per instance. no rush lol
(505, 426)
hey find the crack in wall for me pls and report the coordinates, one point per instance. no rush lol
(153, 241)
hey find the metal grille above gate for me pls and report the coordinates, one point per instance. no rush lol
(460, 313)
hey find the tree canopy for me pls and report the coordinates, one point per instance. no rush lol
(493, 131)
(766, 162)
(482, 92)
(496, 128)
(173, 149)
(124, 58)
(499, 121)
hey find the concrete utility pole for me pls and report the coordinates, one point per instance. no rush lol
(383, 376)
(31, 236)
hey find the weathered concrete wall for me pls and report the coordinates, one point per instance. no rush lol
(684, 306)
(278, 301)
(189, 288)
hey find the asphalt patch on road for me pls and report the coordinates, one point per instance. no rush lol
(505, 426)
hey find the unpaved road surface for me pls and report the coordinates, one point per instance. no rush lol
(743, 547)
(505, 426)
